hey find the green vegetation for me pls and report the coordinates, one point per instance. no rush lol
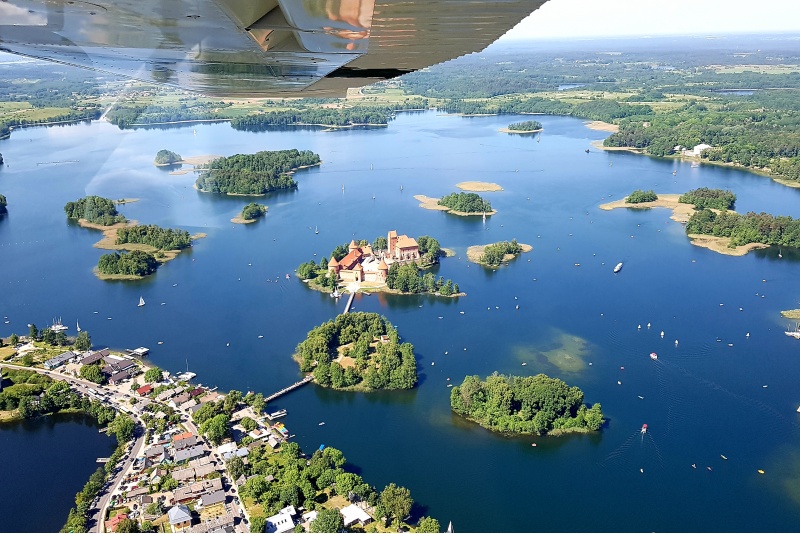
(709, 198)
(466, 203)
(167, 157)
(135, 263)
(154, 374)
(83, 341)
(3, 204)
(639, 196)
(493, 254)
(78, 516)
(408, 279)
(253, 211)
(429, 249)
(94, 209)
(524, 405)
(525, 126)
(328, 520)
(368, 349)
(154, 236)
(744, 229)
(92, 373)
(254, 174)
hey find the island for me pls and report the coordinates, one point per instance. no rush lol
(254, 174)
(496, 253)
(479, 187)
(390, 264)
(525, 405)
(640, 197)
(358, 351)
(250, 213)
(462, 204)
(3, 204)
(791, 314)
(525, 127)
(132, 265)
(94, 210)
(166, 157)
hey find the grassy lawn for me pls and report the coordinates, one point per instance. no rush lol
(7, 352)
(23, 110)
(253, 508)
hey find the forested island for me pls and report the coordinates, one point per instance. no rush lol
(358, 351)
(704, 197)
(639, 196)
(525, 405)
(3, 204)
(469, 203)
(154, 236)
(494, 254)
(750, 228)
(250, 213)
(524, 127)
(254, 174)
(95, 210)
(131, 265)
(167, 157)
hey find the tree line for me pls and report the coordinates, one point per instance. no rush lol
(704, 197)
(254, 174)
(378, 362)
(94, 209)
(127, 116)
(465, 203)
(408, 279)
(524, 405)
(748, 228)
(154, 236)
(134, 263)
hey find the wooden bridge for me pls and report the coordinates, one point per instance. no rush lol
(287, 389)
(350, 302)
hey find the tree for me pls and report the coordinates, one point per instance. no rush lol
(127, 525)
(236, 467)
(83, 342)
(640, 196)
(258, 523)
(248, 424)
(147, 526)
(13, 339)
(48, 336)
(397, 502)
(328, 520)
(92, 373)
(216, 428)
(428, 524)
(122, 426)
(167, 157)
(27, 360)
(33, 333)
(380, 243)
(154, 374)
(154, 508)
(61, 338)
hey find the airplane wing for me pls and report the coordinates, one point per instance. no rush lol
(256, 48)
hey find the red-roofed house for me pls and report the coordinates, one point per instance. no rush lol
(113, 523)
(144, 390)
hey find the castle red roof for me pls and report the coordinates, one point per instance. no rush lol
(333, 262)
(349, 261)
(382, 266)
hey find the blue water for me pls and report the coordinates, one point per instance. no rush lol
(702, 398)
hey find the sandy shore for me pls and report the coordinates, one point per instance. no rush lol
(791, 314)
(430, 203)
(508, 130)
(478, 186)
(475, 252)
(108, 242)
(198, 160)
(239, 220)
(126, 200)
(602, 126)
(680, 212)
(598, 144)
(448, 252)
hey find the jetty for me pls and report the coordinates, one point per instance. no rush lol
(304, 381)
(349, 302)
(103, 460)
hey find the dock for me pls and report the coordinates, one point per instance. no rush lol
(287, 389)
(349, 302)
(102, 460)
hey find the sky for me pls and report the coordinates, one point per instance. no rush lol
(623, 18)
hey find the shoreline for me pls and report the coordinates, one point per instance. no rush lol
(602, 126)
(239, 220)
(556, 432)
(430, 203)
(508, 130)
(681, 213)
(791, 314)
(475, 252)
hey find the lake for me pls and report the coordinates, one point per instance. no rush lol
(703, 398)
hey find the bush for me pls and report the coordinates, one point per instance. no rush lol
(640, 196)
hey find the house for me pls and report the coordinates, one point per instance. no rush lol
(273, 442)
(183, 475)
(179, 517)
(183, 441)
(188, 453)
(352, 514)
(196, 392)
(138, 492)
(180, 399)
(223, 523)
(227, 448)
(113, 523)
(144, 390)
(307, 518)
(241, 453)
(155, 453)
(192, 492)
(59, 360)
(202, 471)
(94, 357)
(187, 405)
(120, 377)
(164, 395)
(281, 522)
(210, 499)
(698, 149)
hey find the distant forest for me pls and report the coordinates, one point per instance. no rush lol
(254, 174)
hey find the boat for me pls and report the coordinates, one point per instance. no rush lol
(618, 268)
(587, 150)
(78, 326)
(322, 423)
(760, 471)
(793, 333)
(287, 276)
(316, 229)
(141, 301)
(57, 326)
(644, 428)
(276, 415)
(653, 356)
(723, 456)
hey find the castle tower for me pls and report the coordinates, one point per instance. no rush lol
(333, 266)
(353, 245)
(391, 240)
(383, 271)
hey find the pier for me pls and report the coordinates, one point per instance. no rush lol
(287, 389)
(102, 460)
(350, 302)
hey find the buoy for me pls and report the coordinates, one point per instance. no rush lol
(641, 470)
(760, 471)
(639, 327)
(618, 382)
(433, 363)
(533, 445)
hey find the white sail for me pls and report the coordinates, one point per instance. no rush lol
(141, 301)
(78, 326)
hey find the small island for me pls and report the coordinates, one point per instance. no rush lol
(3, 204)
(250, 213)
(254, 174)
(479, 187)
(462, 204)
(791, 314)
(360, 352)
(525, 405)
(704, 197)
(94, 210)
(133, 265)
(496, 253)
(167, 157)
(640, 197)
(525, 127)
(390, 264)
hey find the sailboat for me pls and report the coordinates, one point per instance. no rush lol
(780, 255)
(794, 333)
(316, 229)
(78, 326)
(141, 301)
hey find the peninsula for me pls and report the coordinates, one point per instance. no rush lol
(250, 213)
(390, 264)
(496, 253)
(525, 405)
(358, 351)
(254, 174)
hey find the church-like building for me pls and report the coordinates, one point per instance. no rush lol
(362, 264)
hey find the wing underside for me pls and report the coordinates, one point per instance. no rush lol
(256, 47)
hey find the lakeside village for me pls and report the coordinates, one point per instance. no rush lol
(206, 462)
